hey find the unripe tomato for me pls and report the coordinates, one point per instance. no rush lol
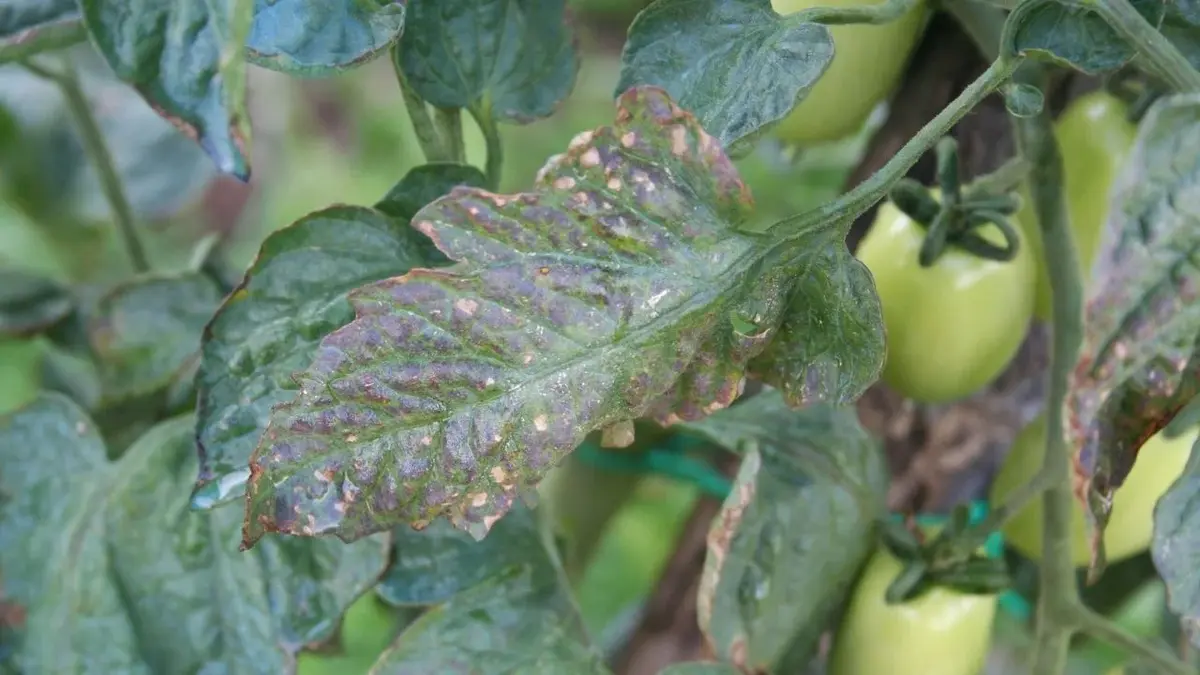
(951, 327)
(20, 372)
(867, 63)
(1095, 136)
(1131, 524)
(940, 632)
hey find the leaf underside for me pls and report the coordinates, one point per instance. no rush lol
(772, 580)
(109, 571)
(307, 38)
(31, 26)
(1076, 35)
(1176, 547)
(1140, 359)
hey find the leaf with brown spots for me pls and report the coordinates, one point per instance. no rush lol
(792, 534)
(618, 288)
(1140, 359)
(117, 575)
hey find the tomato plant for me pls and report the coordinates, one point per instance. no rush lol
(867, 65)
(537, 344)
(1130, 529)
(942, 343)
(940, 632)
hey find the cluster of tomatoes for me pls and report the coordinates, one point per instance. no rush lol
(952, 328)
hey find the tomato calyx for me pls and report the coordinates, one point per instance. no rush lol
(952, 219)
(943, 560)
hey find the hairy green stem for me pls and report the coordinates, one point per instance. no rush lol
(850, 205)
(1059, 596)
(449, 122)
(1103, 628)
(431, 142)
(884, 12)
(100, 156)
(1158, 51)
(495, 150)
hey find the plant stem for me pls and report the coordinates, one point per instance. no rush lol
(850, 205)
(884, 12)
(1170, 63)
(1103, 628)
(1059, 597)
(495, 150)
(449, 122)
(1003, 179)
(100, 156)
(427, 134)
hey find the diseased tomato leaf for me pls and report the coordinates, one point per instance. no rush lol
(792, 535)
(186, 59)
(736, 64)
(308, 38)
(431, 566)
(145, 332)
(1075, 34)
(1140, 359)
(508, 60)
(521, 621)
(110, 572)
(293, 295)
(608, 293)
(1176, 547)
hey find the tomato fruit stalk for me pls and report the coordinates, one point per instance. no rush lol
(1096, 136)
(940, 632)
(951, 327)
(1131, 524)
(867, 63)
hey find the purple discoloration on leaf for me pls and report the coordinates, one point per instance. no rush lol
(1140, 359)
(603, 295)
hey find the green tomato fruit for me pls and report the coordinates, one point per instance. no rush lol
(940, 632)
(1095, 136)
(20, 373)
(1131, 525)
(954, 326)
(868, 61)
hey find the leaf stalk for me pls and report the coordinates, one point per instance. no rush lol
(1152, 45)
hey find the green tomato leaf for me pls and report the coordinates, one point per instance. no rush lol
(28, 27)
(510, 60)
(309, 38)
(604, 295)
(790, 538)
(1074, 35)
(519, 622)
(1139, 363)
(29, 303)
(736, 64)
(185, 58)
(700, 668)
(145, 332)
(432, 565)
(269, 327)
(419, 187)
(830, 347)
(111, 573)
(1176, 545)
